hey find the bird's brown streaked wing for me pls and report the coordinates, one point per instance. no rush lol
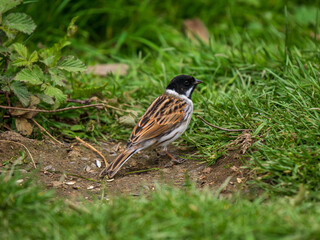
(164, 112)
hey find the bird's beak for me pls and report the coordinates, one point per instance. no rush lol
(197, 82)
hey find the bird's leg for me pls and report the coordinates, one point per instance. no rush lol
(173, 159)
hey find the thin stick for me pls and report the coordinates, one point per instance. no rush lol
(44, 130)
(34, 164)
(53, 111)
(86, 101)
(223, 129)
(93, 149)
(314, 108)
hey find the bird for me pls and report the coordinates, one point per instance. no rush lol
(164, 121)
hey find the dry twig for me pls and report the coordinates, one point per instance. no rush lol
(8, 141)
(93, 149)
(223, 129)
(57, 110)
(44, 130)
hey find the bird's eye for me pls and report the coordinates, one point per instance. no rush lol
(186, 83)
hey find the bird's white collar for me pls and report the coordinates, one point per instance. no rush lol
(174, 93)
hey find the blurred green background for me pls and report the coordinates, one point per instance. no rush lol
(116, 27)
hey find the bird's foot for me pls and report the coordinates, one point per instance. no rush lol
(174, 161)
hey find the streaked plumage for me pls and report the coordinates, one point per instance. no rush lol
(164, 121)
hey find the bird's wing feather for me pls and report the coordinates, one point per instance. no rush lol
(164, 113)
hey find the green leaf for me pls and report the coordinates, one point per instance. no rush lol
(57, 94)
(11, 33)
(72, 28)
(57, 76)
(33, 57)
(21, 50)
(77, 128)
(19, 61)
(21, 91)
(21, 22)
(71, 64)
(45, 98)
(33, 76)
(4, 49)
(47, 60)
(6, 5)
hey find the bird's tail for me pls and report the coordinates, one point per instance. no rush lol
(115, 166)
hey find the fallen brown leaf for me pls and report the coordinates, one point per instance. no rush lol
(34, 101)
(312, 34)
(104, 69)
(195, 28)
(23, 126)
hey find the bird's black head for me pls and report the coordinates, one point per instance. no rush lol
(183, 84)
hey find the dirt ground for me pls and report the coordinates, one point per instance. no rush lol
(73, 170)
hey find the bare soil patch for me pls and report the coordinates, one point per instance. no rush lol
(71, 169)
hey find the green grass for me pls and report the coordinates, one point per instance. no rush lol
(260, 71)
(27, 212)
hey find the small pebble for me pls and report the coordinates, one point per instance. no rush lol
(98, 163)
(84, 159)
(87, 168)
(46, 168)
(71, 183)
(90, 187)
(19, 180)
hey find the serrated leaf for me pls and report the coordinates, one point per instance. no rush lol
(45, 98)
(21, 22)
(57, 76)
(71, 64)
(6, 5)
(19, 61)
(21, 50)
(33, 57)
(57, 94)
(21, 91)
(33, 76)
(48, 60)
